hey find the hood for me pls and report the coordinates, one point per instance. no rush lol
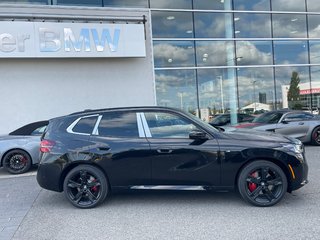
(255, 135)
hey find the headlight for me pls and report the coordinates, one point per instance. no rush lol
(296, 148)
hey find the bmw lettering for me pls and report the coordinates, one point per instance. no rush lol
(52, 41)
(71, 40)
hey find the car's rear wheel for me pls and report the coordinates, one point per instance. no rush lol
(262, 183)
(17, 162)
(85, 186)
(315, 137)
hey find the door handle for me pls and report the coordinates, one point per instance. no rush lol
(301, 123)
(104, 148)
(164, 150)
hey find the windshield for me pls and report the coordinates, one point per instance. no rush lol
(270, 117)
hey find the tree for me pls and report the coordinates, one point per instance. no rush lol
(294, 92)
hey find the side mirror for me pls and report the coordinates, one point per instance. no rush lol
(198, 135)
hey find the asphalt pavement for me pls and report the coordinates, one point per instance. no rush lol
(28, 212)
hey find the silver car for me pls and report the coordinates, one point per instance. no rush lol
(19, 150)
(297, 124)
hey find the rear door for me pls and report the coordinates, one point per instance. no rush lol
(120, 147)
(177, 159)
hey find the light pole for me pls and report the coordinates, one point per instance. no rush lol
(181, 94)
(221, 92)
(254, 95)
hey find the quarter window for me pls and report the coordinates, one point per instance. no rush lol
(119, 125)
(85, 125)
(167, 125)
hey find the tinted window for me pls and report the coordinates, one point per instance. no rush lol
(298, 116)
(35, 128)
(85, 125)
(39, 131)
(119, 124)
(167, 125)
(272, 117)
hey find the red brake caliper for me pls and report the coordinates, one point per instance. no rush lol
(94, 188)
(253, 186)
(24, 160)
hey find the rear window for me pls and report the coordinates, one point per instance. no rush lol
(85, 125)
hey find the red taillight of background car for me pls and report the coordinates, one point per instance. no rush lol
(46, 146)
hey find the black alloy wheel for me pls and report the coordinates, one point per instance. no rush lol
(262, 183)
(315, 136)
(17, 162)
(85, 186)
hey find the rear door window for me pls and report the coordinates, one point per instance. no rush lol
(119, 125)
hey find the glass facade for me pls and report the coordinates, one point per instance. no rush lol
(232, 56)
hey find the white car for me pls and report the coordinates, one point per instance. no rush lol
(19, 150)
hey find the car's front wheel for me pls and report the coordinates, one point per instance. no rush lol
(17, 162)
(85, 186)
(262, 183)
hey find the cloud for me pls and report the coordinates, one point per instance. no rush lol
(211, 25)
(251, 55)
(169, 4)
(292, 5)
(253, 25)
(166, 53)
(287, 25)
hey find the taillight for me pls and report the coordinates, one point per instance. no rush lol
(46, 146)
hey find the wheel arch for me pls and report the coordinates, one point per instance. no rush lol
(76, 164)
(275, 161)
(14, 149)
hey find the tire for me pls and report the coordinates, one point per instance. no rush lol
(262, 183)
(17, 162)
(85, 186)
(315, 136)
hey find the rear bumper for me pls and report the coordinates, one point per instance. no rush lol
(48, 177)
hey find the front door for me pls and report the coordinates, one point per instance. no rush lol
(177, 159)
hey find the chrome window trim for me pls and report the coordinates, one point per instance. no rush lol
(95, 129)
(72, 125)
(140, 125)
(146, 126)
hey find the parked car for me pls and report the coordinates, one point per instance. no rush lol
(89, 154)
(19, 150)
(297, 124)
(224, 119)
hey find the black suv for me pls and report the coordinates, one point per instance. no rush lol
(89, 154)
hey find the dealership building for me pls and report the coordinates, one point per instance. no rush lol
(203, 56)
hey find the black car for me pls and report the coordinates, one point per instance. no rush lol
(89, 154)
(224, 119)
